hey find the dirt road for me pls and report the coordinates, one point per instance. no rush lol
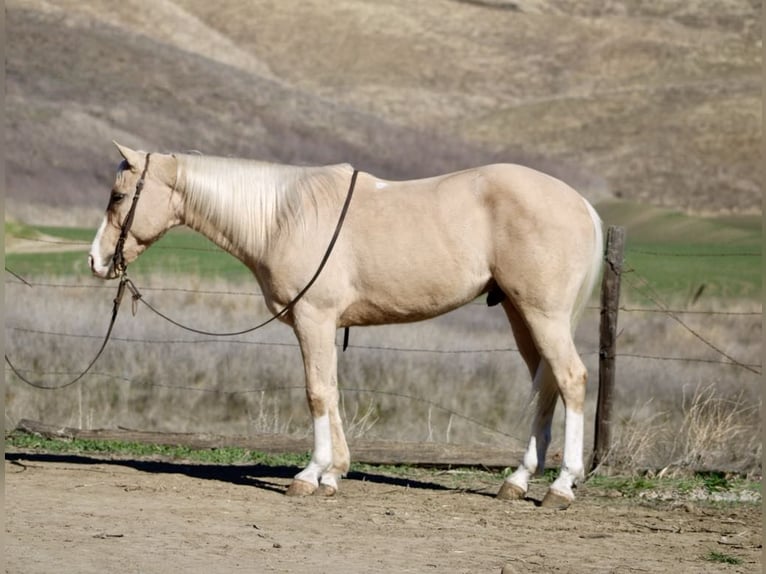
(93, 515)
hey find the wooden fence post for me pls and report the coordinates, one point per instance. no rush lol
(610, 302)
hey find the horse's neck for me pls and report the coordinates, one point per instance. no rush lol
(218, 237)
(237, 204)
(244, 206)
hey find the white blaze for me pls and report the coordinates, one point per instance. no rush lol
(97, 264)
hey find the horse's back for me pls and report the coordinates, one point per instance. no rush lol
(509, 182)
(480, 202)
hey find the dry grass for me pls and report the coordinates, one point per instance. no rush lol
(451, 379)
(707, 431)
(636, 436)
(713, 423)
(689, 414)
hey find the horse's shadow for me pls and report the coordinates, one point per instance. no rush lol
(264, 477)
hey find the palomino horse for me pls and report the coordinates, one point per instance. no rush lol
(407, 251)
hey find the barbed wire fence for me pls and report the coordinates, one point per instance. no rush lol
(712, 352)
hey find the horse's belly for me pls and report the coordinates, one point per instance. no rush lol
(411, 300)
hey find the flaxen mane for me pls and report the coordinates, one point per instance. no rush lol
(249, 201)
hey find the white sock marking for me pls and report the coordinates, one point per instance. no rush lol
(321, 457)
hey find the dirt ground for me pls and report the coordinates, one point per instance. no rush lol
(79, 514)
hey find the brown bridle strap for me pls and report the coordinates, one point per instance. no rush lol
(118, 259)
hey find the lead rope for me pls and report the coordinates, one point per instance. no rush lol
(115, 308)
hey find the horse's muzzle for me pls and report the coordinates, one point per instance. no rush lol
(100, 271)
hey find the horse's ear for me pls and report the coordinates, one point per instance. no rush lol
(131, 156)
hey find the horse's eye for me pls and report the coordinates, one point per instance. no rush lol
(116, 197)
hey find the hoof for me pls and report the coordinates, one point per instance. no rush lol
(326, 490)
(300, 488)
(556, 500)
(510, 491)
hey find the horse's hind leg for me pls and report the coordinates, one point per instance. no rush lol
(330, 457)
(544, 397)
(553, 338)
(560, 364)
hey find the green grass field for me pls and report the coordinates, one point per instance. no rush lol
(685, 257)
(668, 254)
(180, 251)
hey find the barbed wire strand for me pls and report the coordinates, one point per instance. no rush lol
(19, 277)
(360, 347)
(678, 254)
(77, 243)
(650, 293)
(108, 286)
(692, 312)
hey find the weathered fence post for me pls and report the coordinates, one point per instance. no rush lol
(610, 301)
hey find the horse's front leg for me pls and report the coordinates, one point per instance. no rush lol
(330, 457)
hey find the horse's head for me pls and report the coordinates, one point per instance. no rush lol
(157, 210)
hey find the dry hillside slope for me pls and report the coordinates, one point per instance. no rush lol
(656, 103)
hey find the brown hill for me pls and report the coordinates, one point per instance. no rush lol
(656, 103)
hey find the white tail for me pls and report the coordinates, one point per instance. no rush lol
(594, 273)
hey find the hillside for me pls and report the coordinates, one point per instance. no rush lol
(655, 103)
